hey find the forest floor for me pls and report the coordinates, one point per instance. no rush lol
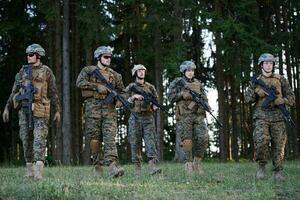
(221, 181)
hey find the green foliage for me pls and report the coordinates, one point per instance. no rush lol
(221, 181)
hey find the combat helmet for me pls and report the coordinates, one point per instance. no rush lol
(102, 50)
(266, 57)
(137, 67)
(187, 65)
(35, 48)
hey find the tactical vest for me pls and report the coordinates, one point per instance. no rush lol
(142, 106)
(108, 75)
(274, 80)
(41, 103)
(188, 106)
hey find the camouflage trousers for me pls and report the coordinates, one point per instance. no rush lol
(266, 132)
(34, 142)
(101, 126)
(142, 127)
(192, 127)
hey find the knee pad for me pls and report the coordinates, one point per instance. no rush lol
(187, 145)
(95, 146)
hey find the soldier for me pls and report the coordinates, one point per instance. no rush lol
(143, 125)
(190, 117)
(45, 92)
(100, 116)
(269, 123)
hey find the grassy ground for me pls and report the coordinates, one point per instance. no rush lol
(221, 181)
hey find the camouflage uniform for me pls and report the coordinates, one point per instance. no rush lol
(143, 126)
(100, 118)
(269, 123)
(190, 117)
(34, 142)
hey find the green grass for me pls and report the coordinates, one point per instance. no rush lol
(221, 181)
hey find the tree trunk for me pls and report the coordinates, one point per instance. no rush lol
(221, 93)
(290, 138)
(77, 137)
(234, 139)
(278, 30)
(58, 155)
(159, 88)
(66, 86)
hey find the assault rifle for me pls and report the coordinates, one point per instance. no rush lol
(28, 96)
(113, 93)
(197, 98)
(148, 97)
(271, 96)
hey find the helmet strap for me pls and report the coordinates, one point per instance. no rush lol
(140, 78)
(38, 56)
(99, 59)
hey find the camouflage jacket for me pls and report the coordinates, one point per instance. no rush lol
(141, 106)
(282, 87)
(52, 92)
(175, 94)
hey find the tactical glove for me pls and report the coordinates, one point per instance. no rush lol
(101, 89)
(260, 92)
(279, 101)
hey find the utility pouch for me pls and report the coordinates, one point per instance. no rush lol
(42, 109)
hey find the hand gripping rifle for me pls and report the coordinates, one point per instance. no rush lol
(197, 98)
(28, 96)
(271, 96)
(112, 90)
(148, 97)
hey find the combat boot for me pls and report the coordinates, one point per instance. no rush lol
(153, 168)
(278, 176)
(197, 167)
(137, 169)
(39, 168)
(29, 170)
(115, 170)
(189, 168)
(261, 172)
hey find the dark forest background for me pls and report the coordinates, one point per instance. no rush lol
(223, 37)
